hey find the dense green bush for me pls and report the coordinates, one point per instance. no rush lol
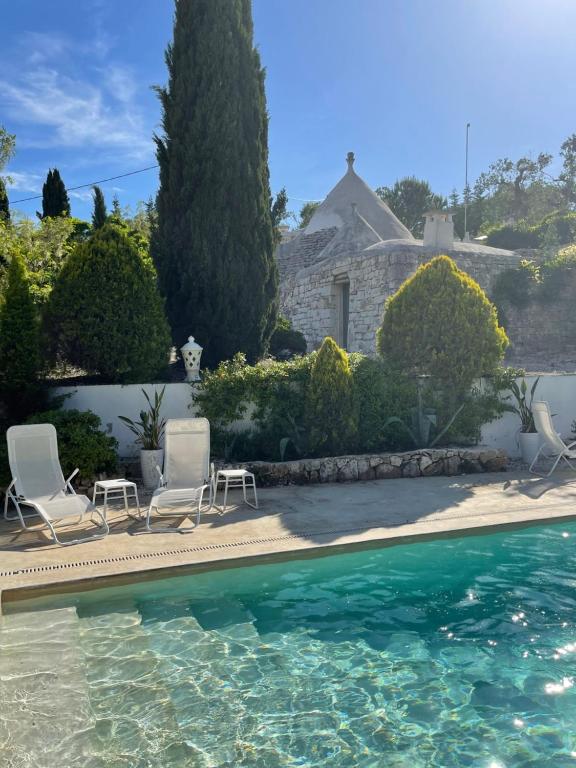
(271, 393)
(81, 442)
(391, 411)
(331, 420)
(19, 340)
(381, 395)
(440, 323)
(556, 228)
(105, 313)
(529, 282)
(285, 341)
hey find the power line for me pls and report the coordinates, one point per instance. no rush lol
(90, 184)
(122, 176)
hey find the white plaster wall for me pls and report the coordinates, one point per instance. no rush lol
(108, 401)
(559, 390)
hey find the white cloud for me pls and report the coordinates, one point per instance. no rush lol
(23, 181)
(86, 195)
(76, 113)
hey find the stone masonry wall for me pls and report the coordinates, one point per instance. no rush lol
(342, 469)
(308, 298)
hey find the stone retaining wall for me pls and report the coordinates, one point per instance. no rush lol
(344, 469)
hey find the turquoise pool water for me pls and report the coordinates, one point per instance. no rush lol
(458, 652)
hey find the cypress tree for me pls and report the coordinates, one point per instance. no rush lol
(55, 200)
(99, 214)
(213, 244)
(4, 207)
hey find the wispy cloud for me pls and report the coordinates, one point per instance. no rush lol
(76, 113)
(23, 181)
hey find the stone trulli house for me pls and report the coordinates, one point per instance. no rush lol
(336, 274)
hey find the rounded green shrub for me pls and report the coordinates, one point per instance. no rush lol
(440, 323)
(105, 313)
(330, 404)
(285, 341)
(81, 442)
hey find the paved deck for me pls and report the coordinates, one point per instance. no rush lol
(290, 519)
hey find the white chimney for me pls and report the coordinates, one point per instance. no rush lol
(438, 229)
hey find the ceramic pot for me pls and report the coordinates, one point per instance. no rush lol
(529, 444)
(149, 460)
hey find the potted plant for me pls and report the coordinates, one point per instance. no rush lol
(529, 438)
(149, 432)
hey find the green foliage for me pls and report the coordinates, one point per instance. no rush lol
(272, 393)
(19, 340)
(55, 200)
(523, 403)
(531, 282)
(4, 205)
(516, 285)
(44, 247)
(213, 244)
(306, 212)
(150, 429)
(381, 395)
(441, 324)
(99, 215)
(105, 314)
(285, 341)
(331, 417)
(81, 442)
(279, 212)
(557, 228)
(7, 146)
(409, 199)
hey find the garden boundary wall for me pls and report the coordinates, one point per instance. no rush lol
(109, 401)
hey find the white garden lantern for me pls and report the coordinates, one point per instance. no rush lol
(191, 354)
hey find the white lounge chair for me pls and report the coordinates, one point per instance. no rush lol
(552, 444)
(38, 482)
(187, 469)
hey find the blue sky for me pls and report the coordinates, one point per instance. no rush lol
(393, 80)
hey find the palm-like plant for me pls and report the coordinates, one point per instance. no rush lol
(149, 430)
(523, 407)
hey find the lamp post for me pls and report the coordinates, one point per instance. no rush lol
(466, 187)
(191, 353)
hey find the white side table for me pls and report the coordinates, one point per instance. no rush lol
(115, 490)
(235, 478)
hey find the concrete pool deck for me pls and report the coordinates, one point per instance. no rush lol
(291, 519)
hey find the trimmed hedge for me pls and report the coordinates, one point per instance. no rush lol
(440, 323)
(105, 313)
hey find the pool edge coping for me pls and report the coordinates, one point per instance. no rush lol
(14, 595)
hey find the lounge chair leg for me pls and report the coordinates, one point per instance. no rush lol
(535, 460)
(555, 465)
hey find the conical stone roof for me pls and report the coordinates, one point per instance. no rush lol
(350, 190)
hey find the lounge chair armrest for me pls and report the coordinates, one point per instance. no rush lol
(572, 445)
(68, 483)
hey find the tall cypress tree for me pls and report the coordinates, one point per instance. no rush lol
(55, 200)
(213, 244)
(4, 206)
(99, 214)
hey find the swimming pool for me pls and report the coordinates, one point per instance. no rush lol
(456, 652)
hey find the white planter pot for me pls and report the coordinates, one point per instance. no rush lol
(149, 460)
(529, 444)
